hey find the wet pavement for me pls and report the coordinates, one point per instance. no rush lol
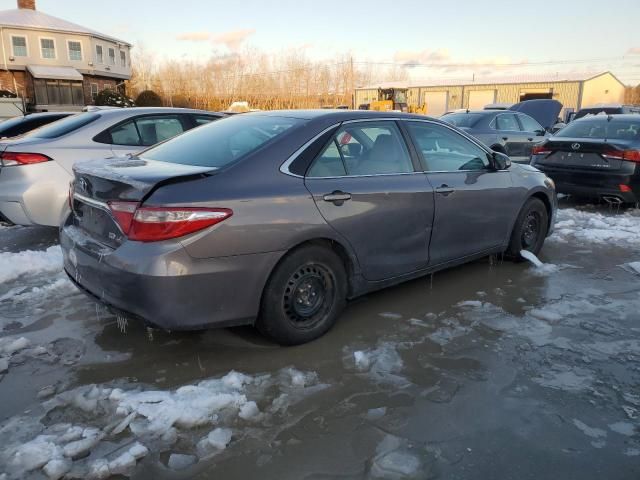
(489, 370)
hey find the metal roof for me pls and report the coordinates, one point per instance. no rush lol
(450, 82)
(54, 73)
(36, 20)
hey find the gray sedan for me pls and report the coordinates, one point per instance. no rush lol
(35, 169)
(278, 218)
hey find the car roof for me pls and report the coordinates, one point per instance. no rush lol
(338, 115)
(615, 116)
(145, 110)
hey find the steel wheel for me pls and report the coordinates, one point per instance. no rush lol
(530, 230)
(308, 295)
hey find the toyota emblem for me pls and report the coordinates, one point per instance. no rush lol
(575, 146)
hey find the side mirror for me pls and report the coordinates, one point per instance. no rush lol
(500, 161)
(540, 133)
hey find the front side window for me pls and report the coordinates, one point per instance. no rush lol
(529, 124)
(123, 58)
(444, 150)
(99, 54)
(364, 148)
(222, 143)
(112, 56)
(507, 122)
(19, 45)
(48, 48)
(75, 51)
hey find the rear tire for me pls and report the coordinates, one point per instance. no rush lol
(530, 229)
(304, 296)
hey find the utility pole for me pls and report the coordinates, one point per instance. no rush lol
(352, 89)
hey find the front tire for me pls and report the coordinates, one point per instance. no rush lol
(304, 296)
(530, 229)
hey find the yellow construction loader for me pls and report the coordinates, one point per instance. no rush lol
(393, 99)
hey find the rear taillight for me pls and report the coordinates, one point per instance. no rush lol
(540, 150)
(21, 158)
(152, 224)
(629, 155)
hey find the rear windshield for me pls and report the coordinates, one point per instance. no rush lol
(462, 119)
(597, 111)
(64, 126)
(614, 129)
(220, 143)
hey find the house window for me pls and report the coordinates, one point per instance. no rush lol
(94, 91)
(19, 46)
(75, 51)
(48, 47)
(123, 58)
(99, 54)
(112, 56)
(58, 92)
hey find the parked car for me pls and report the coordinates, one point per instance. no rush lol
(21, 125)
(277, 218)
(596, 157)
(606, 109)
(513, 131)
(35, 169)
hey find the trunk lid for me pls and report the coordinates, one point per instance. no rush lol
(581, 153)
(99, 182)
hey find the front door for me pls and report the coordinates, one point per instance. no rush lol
(366, 186)
(472, 200)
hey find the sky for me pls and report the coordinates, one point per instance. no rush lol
(447, 38)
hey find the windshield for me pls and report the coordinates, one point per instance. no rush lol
(615, 129)
(64, 126)
(220, 143)
(462, 119)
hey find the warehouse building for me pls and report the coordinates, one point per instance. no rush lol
(573, 90)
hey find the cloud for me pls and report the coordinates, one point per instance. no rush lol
(633, 51)
(194, 37)
(233, 39)
(408, 57)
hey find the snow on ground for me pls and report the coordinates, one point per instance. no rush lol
(61, 284)
(583, 226)
(32, 262)
(101, 431)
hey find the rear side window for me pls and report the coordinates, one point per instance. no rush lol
(144, 131)
(221, 143)
(507, 121)
(602, 128)
(65, 126)
(366, 148)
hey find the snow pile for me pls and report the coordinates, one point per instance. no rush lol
(13, 265)
(94, 419)
(8, 347)
(21, 294)
(583, 226)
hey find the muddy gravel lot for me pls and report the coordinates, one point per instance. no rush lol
(493, 370)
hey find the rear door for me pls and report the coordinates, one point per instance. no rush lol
(473, 202)
(366, 185)
(512, 136)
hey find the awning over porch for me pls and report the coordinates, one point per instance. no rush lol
(54, 73)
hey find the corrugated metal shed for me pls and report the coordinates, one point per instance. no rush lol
(35, 20)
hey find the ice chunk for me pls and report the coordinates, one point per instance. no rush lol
(138, 451)
(4, 365)
(396, 465)
(123, 464)
(362, 360)
(179, 461)
(10, 345)
(56, 468)
(623, 428)
(589, 431)
(632, 267)
(36, 453)
(249, 410)
(527, 255)
(219, 438)
(547, 315)
(81, 447)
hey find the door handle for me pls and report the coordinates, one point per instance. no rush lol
(530, 139)
(505, 138)
(337, 197)
(444, 190)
